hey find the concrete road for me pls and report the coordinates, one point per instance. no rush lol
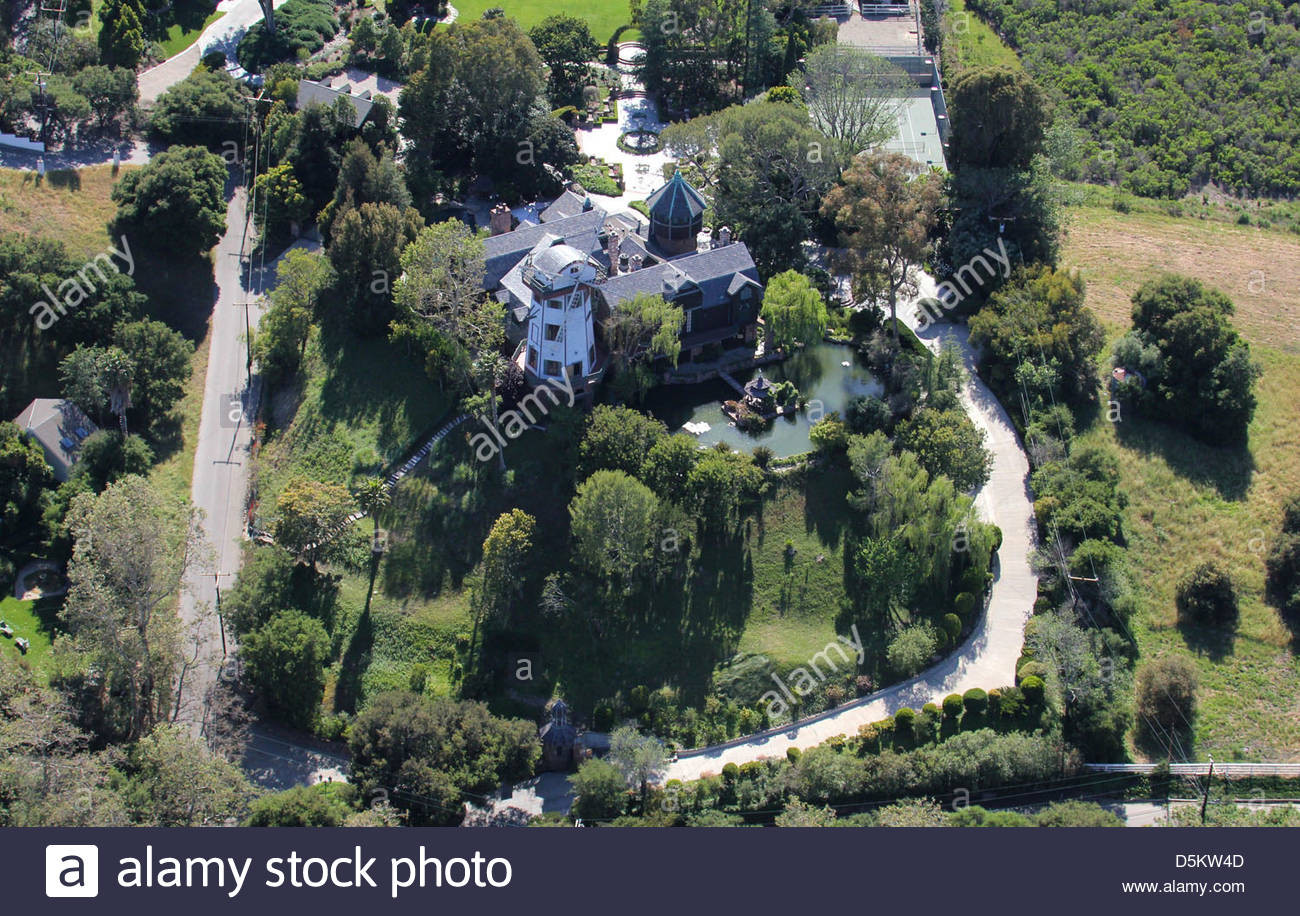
(988, 657)
(223, 35)
(220, 481)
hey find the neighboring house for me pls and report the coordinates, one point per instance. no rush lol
(59, 427)
(310, 93)
(562, 278)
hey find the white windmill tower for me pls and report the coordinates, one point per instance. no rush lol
(561, 338)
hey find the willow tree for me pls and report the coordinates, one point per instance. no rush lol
(638, 331)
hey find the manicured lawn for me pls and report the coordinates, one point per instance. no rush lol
(33, 621)
(69, 205)
(603, 16)
(181, 35)
(1188, 501)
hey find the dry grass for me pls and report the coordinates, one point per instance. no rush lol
(1259, 269)
(1189, 502)
(71, 205)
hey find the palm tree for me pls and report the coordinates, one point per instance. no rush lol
(118, 373)
(372, 495)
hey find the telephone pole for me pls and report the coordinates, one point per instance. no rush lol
(1205, 799)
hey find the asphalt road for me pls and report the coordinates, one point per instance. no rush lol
(220, 481)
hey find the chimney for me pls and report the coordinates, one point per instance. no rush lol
(636, 262)
(611, 249)
(499, 219)
(622, 265)
(724, 237)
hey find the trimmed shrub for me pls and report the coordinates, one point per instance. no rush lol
(952, 706)
(793, 754)
(975, 700)
(730, 773)
(995, 701)
(904, 719)
(1012, 702)
(1032, 688)
(997, 538)
(1032, 669)
(963, 605)
(951, 624)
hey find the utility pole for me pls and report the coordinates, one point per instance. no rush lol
(1205, 800)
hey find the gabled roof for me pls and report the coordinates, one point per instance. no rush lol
(504, 251)
(310, 93)
(59, 427)
(718, 274)
(570, 203)
(676, 203)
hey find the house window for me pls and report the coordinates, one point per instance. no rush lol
(575, 371)
(551, 368)
(555, 303)
(552, 332)
(532, 358)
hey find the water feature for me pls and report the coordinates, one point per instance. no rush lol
(818, 372)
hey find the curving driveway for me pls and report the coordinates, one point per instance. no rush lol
(988, 657)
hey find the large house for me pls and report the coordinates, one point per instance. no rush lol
(560, 279)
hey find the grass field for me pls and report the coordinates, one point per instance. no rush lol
(970, 42)
(71, 205)
(181, 35)
(33, 621)
(603, 16)
(1188, 501)
(174, 472)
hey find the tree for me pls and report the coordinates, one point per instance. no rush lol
(282, 202)
(266, 585)
(612, 523)
(284, 330)
(506, 556)
(999, 119)
(161, 359)
(204, 109)
(668, 466)
(107, 456)
(131, 547)
(1166, 695)
(1282, 565)
(1040, 317)
(309, 513)
(854, 96)
(110, 91)
(566, 46)
(425, 751)
(175, 781)
(910, 651)
(640, 758)
(718, 485)
(600, 790)
(285, 660)
(365, 250)
(947, 442)
(884, 210)
(321, 134)
(798, 813)
(793, 311)
(618, 439)
(373, 496)
(640, 330)
(1076, 813)
(24, 479)
(325, 804)
(99, 379)
(1195, 369)
(177, 201)
(364, 178)
(1207, 596)
(122, 34)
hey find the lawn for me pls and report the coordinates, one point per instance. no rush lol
(603, 16)
(180, 35)
(1188, 501)
(70, 205)
(971, 42)
(183, 23)
(174, 471)
(33, 621)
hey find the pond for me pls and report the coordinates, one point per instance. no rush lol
(819, 374)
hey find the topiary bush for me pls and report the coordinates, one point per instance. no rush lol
(952, 706)
(964, 605)
(951, 624)
(730, 773)
(997, 538)
(995, 701)
(1032, 669)
(903, 721)
(1032, 687)
(975, 700)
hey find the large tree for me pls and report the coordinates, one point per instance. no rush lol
(309, 515)
(507, 552)
(365, 249)
(854, 96)
(565, 44)
(884, 210)
(131, 547)
(640, 758)
(282, 333)
(1000, 117)
(638, 331)
(175, 204)
(793, 311)
(285, 660)
(612, 524)
(161, 357)
(208, 107)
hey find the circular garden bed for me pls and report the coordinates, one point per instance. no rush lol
(640, 142)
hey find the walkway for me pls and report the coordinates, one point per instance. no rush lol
(988, 658)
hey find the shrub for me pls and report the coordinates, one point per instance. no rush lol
(951, 624)
(903, 721)
(1166, 692)
(963, 605)
(1030, 669)
(975, 700)
(730, 773)
(763, 455)
(995, 701)
(997, 538)
(793, 754)
(952, 706)
(911, 649)
(1032, 688)
(1012, 702)
(864, 684)
(300, 26)
(1206, 596)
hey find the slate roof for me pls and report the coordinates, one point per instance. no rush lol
(718, 272)
(504, 251)
(570, 203)
(676, 203)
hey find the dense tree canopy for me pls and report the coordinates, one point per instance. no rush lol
(176, 202)
(793, 311)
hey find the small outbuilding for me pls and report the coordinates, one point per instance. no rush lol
(59, 427)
